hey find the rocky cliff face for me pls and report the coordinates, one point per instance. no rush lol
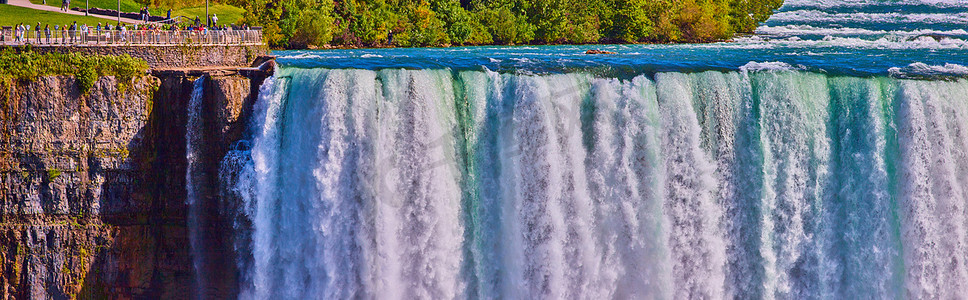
(92, 200)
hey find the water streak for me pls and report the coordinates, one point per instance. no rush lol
(193, 140)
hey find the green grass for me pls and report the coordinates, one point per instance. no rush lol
(11, 15)
(227, 14)
(126, 5)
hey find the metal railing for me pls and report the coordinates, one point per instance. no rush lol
(130, 37)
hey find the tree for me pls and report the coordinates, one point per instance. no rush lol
(308, 23)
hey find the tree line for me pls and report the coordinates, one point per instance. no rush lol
(415, 23)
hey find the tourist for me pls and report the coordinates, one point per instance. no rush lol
(64, 34)
(171, 33)
(169, 14)
(73, 32)
(214, 19)
(37, 32)
(47, 32)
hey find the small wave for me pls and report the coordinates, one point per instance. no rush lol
(887, 42)
(371, 55)
(788, 30)
(303, 55)
(920, 70)
(816, 16)
(862, 3)
(768, 66)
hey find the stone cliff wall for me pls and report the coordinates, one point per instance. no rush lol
(92, 200)
(174, 56)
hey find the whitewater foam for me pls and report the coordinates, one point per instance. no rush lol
(768, 66)
(771, 182)
(922, 69)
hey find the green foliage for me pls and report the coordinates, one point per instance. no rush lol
(53, 174)
(311, 23)
(29, 65)
(426, 29)
(506, 27)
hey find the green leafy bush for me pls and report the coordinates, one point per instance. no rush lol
(86, 69)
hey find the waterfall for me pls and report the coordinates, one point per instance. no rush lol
(449, 184)
(193, 139)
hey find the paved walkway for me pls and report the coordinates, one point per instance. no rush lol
(27, 4)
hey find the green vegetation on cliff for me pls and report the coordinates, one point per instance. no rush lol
(307, 23)
(28, 65)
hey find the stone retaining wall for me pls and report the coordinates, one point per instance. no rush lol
(173, 56)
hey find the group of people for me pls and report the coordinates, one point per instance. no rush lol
(84, 33)
(145, 14)
(65, 5)
(68, 34)
(21, 32)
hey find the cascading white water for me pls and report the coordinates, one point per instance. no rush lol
(695, 233)
(932, 188)
(193, 139)
(754, 184)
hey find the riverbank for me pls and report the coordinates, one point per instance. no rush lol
(359, 47)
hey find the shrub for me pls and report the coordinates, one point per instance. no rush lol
(86, 69)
